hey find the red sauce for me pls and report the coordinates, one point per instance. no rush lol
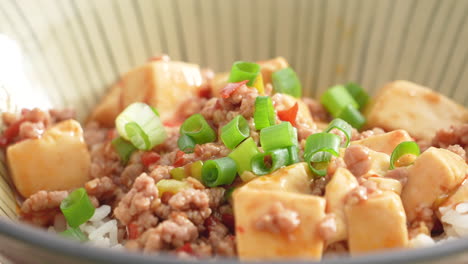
(149, 158)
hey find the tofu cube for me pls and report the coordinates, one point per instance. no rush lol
(380, 163)
(436, 172)
(59, 160)
(377, 223)
(336, 192)
(162, 84)
(254, 244)
(385, 143)
(387, 184)
(414, 108)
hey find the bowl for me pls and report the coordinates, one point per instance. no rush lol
(67, 53)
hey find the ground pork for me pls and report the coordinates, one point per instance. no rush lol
(138, 200)
(454, 135)
(210, 151)
(62, 114)
(195, 204)
(457, 149)
(189, 107)
(170, 144)
(334, 164)
(30, 130)
(200, 248)
(278, 219)
(219, 237)
(362, 192)
(357, 160)
(327, 227)
(41, 208)
(105, 161)
(130, 173)
(161, 172)
(172, 233)
(215, 196)
(367, 133)
(102, 188)
(94, 134)
(318, 186)
(400, 174)
(196, 184)
(318, 112)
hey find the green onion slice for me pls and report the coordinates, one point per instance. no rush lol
(144, 125)
(293, 152)
(186, 143)
(243, 154)
(278, 136)
(352, 116)
(178, 173)
(77, 208)
(344, 127)
(74, 234)
(404, 148)
(235, 132)
(242, 71)
(265, 163)
(171, 185)
(318, 150)
(264, 114)
(286, 81)
(219, 172)
(360, 96)
(123, 148)
(336, 98)
(195, 169)
(198, 129)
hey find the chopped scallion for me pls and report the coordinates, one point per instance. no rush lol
(265, 163)
(293, 154)
(342, 126)
(404, 148)
(243, 154)
(198, 129)
(264, 114)
(278, 136)
(186, 143)
(196, 169)
(360, 96)
(123, 148)
(235, 132)
(171, 185)
(242, 71)
(178, 173)
(77, 208)
(74, 234)
(336, 98)
(286, 81)
(219, 172)
(318, 150)
(352, 116)
(258, 84)
(144, 125)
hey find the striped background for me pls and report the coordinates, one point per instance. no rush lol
(65, 52)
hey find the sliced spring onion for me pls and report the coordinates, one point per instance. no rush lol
(77, 208)
(171, 185)
(264, 114)
(137, 136)
(74, 234)
(235, 132)
(278, 136)
(195, 169)
(123, 148)
(286, 81)
(352, 116)
(336, 98)
(243, 154)
(178, 173)
(242, 71)
(360, 96)
(186, 143)
(258, 84)
(265, 163)
(198, 129)
(318, 150)
(293, 153)
(342, 126)
(404, 148)
(146, 130)
(219, 172)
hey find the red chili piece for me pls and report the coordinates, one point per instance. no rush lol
(132, 230)
(289, 114)
(230, 88)
(10, 133)
(228, 221)
(149, 158)
(179, 159)
(187, 248)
